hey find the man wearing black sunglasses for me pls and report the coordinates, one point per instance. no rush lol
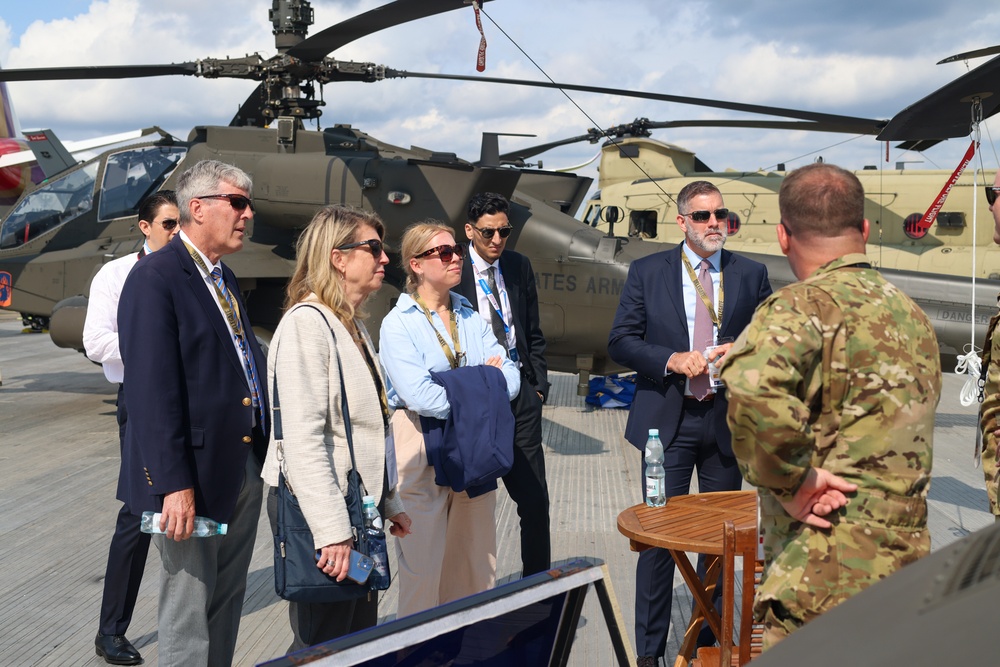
(127, 556)
(675, 306)
(198, 414)
(501, 285)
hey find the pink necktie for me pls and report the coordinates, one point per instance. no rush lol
(700, 386)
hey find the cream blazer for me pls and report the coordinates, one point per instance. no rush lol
(303, 355)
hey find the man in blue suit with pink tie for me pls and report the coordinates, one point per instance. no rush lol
(198, 414)
(674, 305)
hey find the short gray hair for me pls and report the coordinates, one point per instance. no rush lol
(204, 178)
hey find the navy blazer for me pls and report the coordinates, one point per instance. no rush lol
(651, 324)
(190, 417)
(474, 446)
(519, 278)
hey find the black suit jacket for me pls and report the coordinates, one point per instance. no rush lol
(190, 417)
(519, 278)
(651, 324)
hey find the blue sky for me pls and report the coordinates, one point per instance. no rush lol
(866, 60)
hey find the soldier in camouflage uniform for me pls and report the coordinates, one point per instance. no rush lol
(832, 392)
(990, 409)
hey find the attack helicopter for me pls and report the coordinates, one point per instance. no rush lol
(60, 232)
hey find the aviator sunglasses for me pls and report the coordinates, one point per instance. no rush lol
(991, 194)
(445, 252)
(167, 223)
(238, 202)
(487, 233)
(721, 214)
(374, 245)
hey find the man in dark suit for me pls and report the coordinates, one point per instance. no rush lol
(501, 286)
(198, 415)
(669, 313)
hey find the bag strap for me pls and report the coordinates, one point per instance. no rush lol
(276, 408)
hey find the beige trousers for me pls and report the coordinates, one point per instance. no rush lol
(451, 533)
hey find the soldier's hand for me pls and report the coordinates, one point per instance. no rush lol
(690, 363)
(821, 493)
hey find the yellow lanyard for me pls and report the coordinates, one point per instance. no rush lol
(231, 317)
(382, 398)
(454, 358)
(716, 317)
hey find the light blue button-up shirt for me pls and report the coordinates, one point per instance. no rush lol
(409, 351)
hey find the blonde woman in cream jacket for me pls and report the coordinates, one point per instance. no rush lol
(340, 263)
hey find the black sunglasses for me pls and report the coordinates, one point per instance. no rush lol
(445, 252)
(374, 245)
(167, 224)
(991, 194)
(721, 214)
(487, 233)
(238, 202)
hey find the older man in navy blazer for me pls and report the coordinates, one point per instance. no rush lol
(197, 428)
(674, 305)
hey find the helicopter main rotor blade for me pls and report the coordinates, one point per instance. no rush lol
(977, 53)
(641, 126)
(947, 112)
(251, 112)
(96, 72)
(327, 41)
(859, 125)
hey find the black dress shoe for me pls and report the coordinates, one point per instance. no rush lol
(117, 650)
(646, 661)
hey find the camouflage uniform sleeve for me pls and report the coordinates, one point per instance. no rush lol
(773, 375)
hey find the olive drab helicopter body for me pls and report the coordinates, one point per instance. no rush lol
(61, 231)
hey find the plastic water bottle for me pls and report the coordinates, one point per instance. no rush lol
(656, 494)
(203, 527)
(379, 578)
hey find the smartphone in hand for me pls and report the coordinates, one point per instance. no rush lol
(360, 567)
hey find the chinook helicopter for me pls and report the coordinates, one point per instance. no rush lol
(59, 233)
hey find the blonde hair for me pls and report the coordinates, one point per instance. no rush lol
(331, 227)
(415, 237)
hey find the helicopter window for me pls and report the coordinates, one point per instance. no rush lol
(912, 228)
(952, 219)
(593, 215)
(734, 223)
(133, 174)
(50, 206)
(642, 223)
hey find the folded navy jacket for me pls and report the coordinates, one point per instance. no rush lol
(474, 446)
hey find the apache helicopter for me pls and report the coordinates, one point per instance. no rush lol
(59, 233)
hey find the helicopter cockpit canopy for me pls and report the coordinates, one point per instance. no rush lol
(50, 206)
(129, 176)
(132, 175)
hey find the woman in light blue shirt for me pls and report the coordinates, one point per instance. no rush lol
(451, 552)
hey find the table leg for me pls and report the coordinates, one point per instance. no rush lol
(701, 591)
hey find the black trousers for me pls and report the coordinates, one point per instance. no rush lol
(126, 559)
(525, 483)
(694, 448)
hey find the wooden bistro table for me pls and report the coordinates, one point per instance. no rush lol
(691, 523)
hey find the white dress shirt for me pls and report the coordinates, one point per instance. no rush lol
(692, 301)
(480, 270)
(100, 329)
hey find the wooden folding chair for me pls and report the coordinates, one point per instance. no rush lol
(736, 542)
